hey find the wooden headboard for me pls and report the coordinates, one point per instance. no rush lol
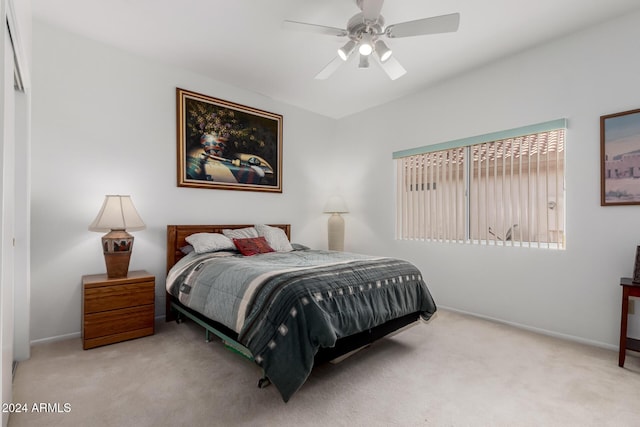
(176, 235)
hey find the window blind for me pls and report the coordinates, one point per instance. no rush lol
(508, 191)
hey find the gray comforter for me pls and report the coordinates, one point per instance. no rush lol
(285, 305)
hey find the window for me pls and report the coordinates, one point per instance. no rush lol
(505, 188)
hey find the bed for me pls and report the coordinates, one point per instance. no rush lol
(290, 308)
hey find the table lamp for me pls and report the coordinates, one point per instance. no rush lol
(335, 206)
(116, 216)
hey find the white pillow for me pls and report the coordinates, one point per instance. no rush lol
(210, 242)
(240, 233)
(275, 237)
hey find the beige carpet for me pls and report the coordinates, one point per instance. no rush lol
(455, 371)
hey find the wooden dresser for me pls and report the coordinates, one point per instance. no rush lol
(115, 310)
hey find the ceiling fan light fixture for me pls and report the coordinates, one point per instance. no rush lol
(345, 51)
(364, 31)
(366, 46)
(383, 51)
(365, 49)
(364, 61)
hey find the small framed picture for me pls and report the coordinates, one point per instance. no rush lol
(620, 152)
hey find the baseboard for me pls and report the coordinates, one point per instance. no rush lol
(57, 338)
(536, 330)
(455, 310)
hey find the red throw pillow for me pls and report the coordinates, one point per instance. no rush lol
(253, 246)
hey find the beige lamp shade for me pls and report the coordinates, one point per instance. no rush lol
(117, 213)
(116, 216)
(336, 204)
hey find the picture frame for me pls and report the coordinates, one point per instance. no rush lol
(227, 146)
(636, 267)
(620, 158)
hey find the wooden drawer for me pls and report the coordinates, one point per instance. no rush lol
(114, 297)
(111, 339)
(118, 321)
(117, 309)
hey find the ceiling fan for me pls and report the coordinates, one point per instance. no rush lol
(365, 31)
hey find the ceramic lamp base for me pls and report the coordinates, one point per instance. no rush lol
(336, 232)
(117, 246)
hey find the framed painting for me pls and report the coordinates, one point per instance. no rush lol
(636, 267)
(620, 158)
(227, 146)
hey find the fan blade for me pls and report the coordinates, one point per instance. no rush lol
(393, 68)
(371, 9)
(329, 69)
(434, 25)
(313, 28)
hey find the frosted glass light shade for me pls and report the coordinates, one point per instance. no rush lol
(364, 62)
(383, 51)
(335, 204)
(366, 45)
(345, 51)
(117, 213)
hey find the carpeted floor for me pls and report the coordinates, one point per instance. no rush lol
(455, 371)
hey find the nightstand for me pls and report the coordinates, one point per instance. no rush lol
(115, 310)
(629, 289)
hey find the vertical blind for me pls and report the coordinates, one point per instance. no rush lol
(507, 191)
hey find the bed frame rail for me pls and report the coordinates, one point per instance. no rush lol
(229, 342)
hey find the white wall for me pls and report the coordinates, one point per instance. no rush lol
(574, 292)
(104, 122)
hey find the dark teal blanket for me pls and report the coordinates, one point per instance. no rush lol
(285, 306)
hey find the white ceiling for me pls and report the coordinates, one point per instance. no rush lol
(241, 42)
